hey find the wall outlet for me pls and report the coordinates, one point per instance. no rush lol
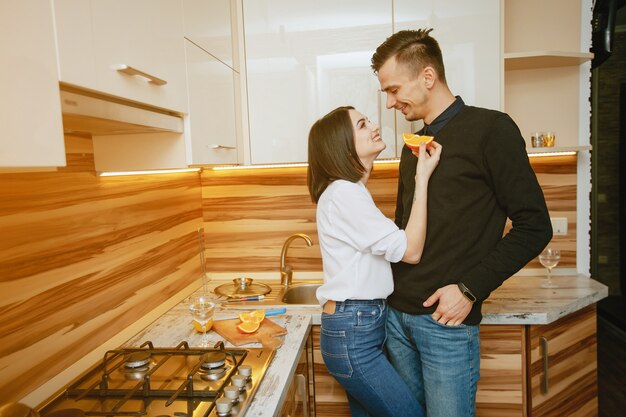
(559, 226)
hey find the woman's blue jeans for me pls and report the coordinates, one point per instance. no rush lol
(441, 364)
(351, 342)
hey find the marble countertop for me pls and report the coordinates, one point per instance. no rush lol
(520, 300)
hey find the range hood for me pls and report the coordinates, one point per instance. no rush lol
(84, 112)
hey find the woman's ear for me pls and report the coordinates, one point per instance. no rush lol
(430, 75)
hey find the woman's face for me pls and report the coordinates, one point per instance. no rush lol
(367, 140)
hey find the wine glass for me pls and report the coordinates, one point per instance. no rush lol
(202, 311)
(549, 258)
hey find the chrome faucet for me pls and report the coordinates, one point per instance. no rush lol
(286, 271)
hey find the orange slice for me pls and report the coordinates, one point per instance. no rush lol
(248, 327)
(255, 316)
(198, 326)
(414, 141)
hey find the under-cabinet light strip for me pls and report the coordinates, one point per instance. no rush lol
(147, 172)
(378, 161)
(294, 165)
(234, 167)
(542, 154)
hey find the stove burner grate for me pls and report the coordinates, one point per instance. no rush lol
(177, 382)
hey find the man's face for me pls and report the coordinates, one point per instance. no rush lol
(405, 90)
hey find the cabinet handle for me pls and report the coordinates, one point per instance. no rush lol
(543, 347)
(302, 392)
(216, 146)
(128, 70)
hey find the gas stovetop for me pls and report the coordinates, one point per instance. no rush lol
(159, 382)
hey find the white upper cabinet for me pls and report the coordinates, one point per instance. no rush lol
(304, 59)
(129, 49)
(211, 109)
(208, 25)
(31, 132)
(213, 130)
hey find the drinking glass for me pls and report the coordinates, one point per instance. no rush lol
(549, 258)
(202, 311)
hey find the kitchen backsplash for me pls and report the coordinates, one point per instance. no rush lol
(82, 257)
(249, 213)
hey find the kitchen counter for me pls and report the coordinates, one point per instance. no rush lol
(520, 300)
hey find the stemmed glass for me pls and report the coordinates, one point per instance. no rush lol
(549, 258)
(202, 311)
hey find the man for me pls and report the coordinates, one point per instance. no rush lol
(484, 176)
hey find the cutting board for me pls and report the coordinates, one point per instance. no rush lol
(265, 335)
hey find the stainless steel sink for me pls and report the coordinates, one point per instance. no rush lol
(301, 294)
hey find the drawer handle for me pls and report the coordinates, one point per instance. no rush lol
(128, 70)
(543, 345)
(216, 146)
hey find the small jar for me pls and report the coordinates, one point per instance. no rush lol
(548, 139)
(536, 140)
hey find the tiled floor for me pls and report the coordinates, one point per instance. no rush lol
(612, 358)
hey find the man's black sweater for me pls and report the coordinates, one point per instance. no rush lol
(483, 177)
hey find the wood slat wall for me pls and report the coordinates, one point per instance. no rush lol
(83, 257)
(248, 214)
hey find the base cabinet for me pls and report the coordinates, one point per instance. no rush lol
(526, 370)
(563, 367)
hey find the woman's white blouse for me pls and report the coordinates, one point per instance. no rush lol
(357, 242)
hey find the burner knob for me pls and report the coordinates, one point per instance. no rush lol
(245, 370)
(223, 405)
(231, 392)
(239, 381)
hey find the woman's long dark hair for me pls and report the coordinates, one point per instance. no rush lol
(332, 154)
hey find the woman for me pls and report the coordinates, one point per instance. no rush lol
(358, 243)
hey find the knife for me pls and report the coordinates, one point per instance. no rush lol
(247, 298)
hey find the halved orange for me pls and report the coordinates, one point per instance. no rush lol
(255, 316)
(414, 141)
(198, 326)
(248, 326)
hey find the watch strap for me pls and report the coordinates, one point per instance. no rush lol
(466, 292)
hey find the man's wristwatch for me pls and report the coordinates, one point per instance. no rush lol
(466, 292)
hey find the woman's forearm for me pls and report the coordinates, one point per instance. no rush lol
(416, 227)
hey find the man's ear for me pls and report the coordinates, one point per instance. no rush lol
(429, 77)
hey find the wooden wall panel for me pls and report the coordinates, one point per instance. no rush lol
(248, 214)
(82, 257)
